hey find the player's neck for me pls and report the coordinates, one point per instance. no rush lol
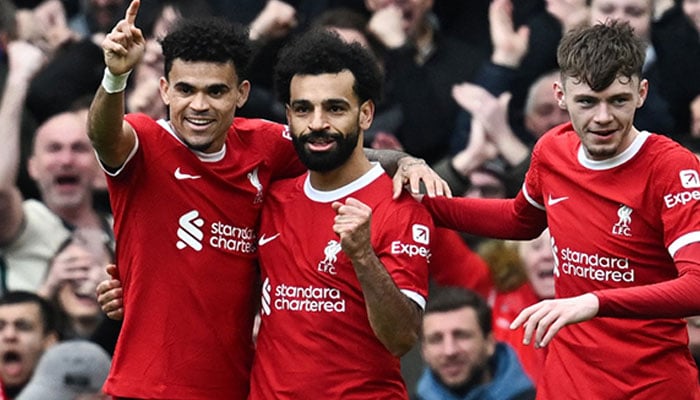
(353, 169)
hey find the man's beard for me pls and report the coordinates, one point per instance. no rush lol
(327, 160)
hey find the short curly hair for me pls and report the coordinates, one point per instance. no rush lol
(320, 51)
(208, 39)
(598, 54)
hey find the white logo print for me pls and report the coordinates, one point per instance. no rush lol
(265, 240)
(188, 232)
(555, 250)
(181, 175)
(690, 179)
(421, 234)
(286, 134)
(552, 200)
(331, 251)
(622, 227)
(266, 299)
(253, 178)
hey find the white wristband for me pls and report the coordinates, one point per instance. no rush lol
(114, 83)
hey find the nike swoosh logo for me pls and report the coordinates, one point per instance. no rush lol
(265, 240)
(181, 175)
(552, 201)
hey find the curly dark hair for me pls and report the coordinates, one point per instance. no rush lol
(319, 51)
(598, 54)
(209, 39)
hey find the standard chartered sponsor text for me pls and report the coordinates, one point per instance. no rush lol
(595, 266)
(232, 238)
(308, 299)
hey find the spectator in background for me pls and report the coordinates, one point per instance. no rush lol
(464, 360)
(71, 280)
(27, 330)
(512, 144)
(64, 166)
(9, 32)
(499, 133)
(535, 260)
(421, 66)
(70, 370)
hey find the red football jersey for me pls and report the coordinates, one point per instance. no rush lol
(315, 340)
(185, 226)
(617, 224)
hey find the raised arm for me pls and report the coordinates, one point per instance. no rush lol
(25, 60)
(123, 48)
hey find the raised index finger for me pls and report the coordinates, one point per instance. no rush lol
(131, 12)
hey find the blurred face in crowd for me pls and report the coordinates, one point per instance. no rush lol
(538, 261)
(22, 342)
(542, 112)
(454, 346)
(638, 13)
(603, 120)
(77, 297)
(691, 8)
(63, 164)
(413, 12)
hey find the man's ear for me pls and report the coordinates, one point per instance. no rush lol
(164, 88)
(243, 93)
(559, 94)
(366, 114)
(643, 92)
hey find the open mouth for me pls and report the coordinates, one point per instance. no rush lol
(545, 274)
(12, 363)
(67, 179)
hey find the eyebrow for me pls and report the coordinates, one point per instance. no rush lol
(326, 102)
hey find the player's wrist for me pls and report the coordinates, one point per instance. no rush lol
(112, 83)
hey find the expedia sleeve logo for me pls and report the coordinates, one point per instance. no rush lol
(689, 180)
(421, 236)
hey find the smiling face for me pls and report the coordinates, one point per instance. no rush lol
(326, 119)
(454, 346)
(63, 163)
(603, 120)
(202, 98)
